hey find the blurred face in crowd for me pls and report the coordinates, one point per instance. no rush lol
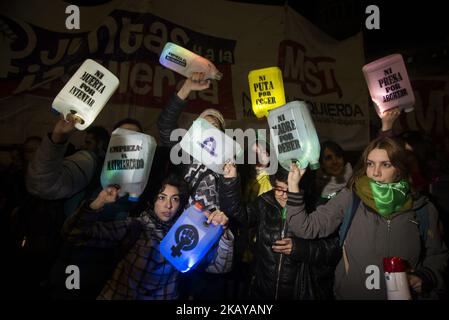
(167, 203)
(91, 144)
(213, 121)
(130, 126)
(379, 167)
(280, 193)
(332, 164)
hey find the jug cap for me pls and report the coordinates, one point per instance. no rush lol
(393, 264)
(314, 166)
(133, 198)
(198, 205)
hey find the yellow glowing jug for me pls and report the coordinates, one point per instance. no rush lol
(267, 90)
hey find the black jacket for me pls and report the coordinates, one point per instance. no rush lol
(307, 273)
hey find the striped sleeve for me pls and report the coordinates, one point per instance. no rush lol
(222, 262)
(295, 199)
(82, 228)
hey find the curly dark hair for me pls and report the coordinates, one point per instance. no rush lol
(180, 184)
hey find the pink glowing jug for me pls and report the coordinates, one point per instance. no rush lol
(388, 84)
(186, 62)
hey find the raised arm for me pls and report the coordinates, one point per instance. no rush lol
(321, 223)
(388, 118)
(50, 175)
(168, 118)
(231, 199)
(83, 228)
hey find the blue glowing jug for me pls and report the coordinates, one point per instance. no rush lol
(189, 239)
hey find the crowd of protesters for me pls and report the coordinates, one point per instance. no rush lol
(282, 236)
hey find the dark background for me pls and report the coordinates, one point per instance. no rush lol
(417, 30)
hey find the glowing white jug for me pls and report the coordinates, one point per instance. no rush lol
(294, 135)
(128, 162)
(186, 62)
(388, 84)
(86, 93)
(210, 146)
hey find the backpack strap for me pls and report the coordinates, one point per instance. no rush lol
(423, 218)
(347, 219)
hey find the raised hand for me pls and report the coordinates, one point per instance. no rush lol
(63, 128)
(107, 195)
(294, 176)
(195, 83)
(389, 117)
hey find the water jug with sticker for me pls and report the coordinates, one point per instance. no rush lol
(210, 146)
(185, 62)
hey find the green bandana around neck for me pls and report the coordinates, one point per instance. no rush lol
(384, 198)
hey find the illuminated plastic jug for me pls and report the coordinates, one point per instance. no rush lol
(396, 279)
(296, 138)
(128, 162)
(189, 239)
(210, 146)
(86, 93)
(388, 84)
(186, 62)
(267, 90)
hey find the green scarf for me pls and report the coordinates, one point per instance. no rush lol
(384, 198)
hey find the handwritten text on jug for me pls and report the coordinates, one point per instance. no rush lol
(87, 89)
(287, 141)
(125, 163)
(391, 83)
(262, 88)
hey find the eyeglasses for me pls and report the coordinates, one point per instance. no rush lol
(280, 191)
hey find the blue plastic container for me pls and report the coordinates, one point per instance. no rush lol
(189, 239)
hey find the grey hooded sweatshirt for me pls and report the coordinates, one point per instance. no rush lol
(370, 238)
